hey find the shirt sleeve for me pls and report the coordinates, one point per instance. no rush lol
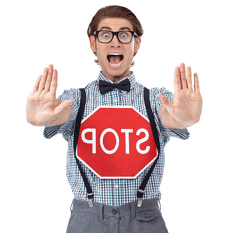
(66, 129)
(156, 105)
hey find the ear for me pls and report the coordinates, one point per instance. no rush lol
(93, 44)
(137, 44)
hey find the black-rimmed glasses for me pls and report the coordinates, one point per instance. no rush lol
(124, 37)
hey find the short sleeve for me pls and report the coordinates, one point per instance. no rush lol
(156, 105)
(66, 129)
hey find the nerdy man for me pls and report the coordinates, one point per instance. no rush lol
(116, 130)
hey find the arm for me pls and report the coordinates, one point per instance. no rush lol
(43, 109)
(186, 108)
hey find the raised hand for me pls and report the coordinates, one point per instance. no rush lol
(186, 107)
(42, 106)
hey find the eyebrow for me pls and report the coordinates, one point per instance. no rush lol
(122, 28)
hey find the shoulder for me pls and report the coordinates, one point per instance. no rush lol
(72, 93)
(138, 86)
(155, 91)
(92, 85)
(163, 90)
(92, 88)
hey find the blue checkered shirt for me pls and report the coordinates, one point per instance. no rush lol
(114, 192)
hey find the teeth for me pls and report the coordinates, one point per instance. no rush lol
(115, 64)
(114, 54)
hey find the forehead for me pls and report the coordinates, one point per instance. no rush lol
(115, 24)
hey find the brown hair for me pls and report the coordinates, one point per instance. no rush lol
(114, 11)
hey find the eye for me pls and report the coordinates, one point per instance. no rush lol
(123, 35)
(106, 35)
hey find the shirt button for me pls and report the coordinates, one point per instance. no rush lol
(114, 211)
(147, 215)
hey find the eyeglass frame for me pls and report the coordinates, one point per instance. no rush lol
(115, 33)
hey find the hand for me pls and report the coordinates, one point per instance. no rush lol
(42, 105)
(187, 104)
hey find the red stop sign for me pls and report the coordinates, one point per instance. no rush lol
(116, 142)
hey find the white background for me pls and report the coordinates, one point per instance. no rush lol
(197, 185)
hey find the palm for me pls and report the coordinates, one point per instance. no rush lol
(42, 105)
(187, 104)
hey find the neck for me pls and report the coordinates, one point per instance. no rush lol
(115, 78)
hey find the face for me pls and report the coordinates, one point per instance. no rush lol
(115, 68)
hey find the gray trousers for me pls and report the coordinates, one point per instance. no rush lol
(121, 219)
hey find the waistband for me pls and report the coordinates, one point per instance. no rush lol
(106, 211)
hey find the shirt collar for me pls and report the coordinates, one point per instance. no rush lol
(131, 78)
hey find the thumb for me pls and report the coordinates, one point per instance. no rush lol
(164, 100)
(63, 105)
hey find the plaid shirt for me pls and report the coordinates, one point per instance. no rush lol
(114, 192)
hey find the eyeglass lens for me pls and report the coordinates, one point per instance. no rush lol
(106, 36)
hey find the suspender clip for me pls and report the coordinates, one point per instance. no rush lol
(90, 202)
(140, 195)
(139, 204)
(90, 199)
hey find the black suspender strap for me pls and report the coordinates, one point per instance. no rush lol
(156, 138)
(76, 135)
(155, 134)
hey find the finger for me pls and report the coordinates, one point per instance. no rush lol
(53, 87)
(177, 82)
(196, 83)
(36, 85)
(43, 80)
(183, 77)
(189, 78)
(62, 106)
(49, 78)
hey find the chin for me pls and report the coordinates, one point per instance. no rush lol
(118, 72)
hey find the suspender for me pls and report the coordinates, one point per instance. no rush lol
(90, 194)
(156, 138)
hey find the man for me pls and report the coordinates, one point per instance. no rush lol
(116, 203)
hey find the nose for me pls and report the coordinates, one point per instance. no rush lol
(115, 42)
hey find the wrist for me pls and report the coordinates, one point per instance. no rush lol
(169, 121)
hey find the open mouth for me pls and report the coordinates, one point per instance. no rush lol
(115, 59)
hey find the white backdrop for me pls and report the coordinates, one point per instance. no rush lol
(196, 188)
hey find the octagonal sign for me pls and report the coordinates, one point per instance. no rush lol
(116, 142)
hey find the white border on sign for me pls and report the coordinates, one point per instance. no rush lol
(115, 107)
(117, 177)
(111, 177)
